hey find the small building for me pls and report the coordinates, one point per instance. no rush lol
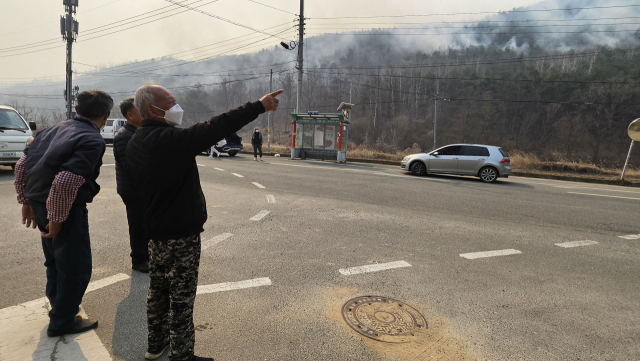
(321, 135)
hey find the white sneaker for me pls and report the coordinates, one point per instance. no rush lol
(255, 159)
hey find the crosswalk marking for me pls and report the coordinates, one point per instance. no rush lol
(220, 169)
(238, 175)
(630, 237)
(271, 198)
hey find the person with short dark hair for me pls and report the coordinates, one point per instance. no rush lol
(138, 237)
(55, 179)
(256, 141)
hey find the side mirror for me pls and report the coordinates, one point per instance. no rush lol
(32, 125)
(435, 153)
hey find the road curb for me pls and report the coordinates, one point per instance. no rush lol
(515, 173)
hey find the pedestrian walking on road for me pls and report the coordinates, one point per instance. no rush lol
(256, 141)
(162, 162)
(55, 179)
(138, 236)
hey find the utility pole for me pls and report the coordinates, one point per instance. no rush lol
(300, 56)
(269, 115)
(69, 30)
(435, 116)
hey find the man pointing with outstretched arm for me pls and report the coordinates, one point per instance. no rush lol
(161, 161)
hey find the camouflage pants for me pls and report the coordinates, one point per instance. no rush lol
(173, 280)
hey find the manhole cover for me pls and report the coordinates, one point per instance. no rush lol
(383, 319)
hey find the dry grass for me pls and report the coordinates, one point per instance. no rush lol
(528, 162)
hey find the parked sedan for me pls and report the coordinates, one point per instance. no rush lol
(483, 161)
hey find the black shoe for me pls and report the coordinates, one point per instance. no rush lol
(141, 267)
(80, 327)
(155, 354)
(198, 358)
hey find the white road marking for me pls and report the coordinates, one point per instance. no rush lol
(220, 169)
(603, 195)
(108, 165)
(95, 285)
(504, 252)
(22, 335)
(215, 240)
(576, 244)
(230, 286)
(238, 175)
(201, 165)
(108, 154)
(630, 236)
(271, 198)
(258, 185)
(598, 189)
(259, 216)
(373, 268)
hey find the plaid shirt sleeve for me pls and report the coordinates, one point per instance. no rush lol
(63, 192)
(19, 179)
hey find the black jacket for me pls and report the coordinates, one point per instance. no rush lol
(161, 162)
(256, 138)
(123, 180)
(75, 146)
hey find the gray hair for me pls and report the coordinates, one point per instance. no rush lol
(144, 97)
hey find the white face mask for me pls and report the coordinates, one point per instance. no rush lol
(173, 116)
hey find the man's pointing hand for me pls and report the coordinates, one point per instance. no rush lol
(270, 102)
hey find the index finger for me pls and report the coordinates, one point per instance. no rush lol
(277, 92)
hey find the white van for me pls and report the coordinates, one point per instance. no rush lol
(111, 128)
(15, 135)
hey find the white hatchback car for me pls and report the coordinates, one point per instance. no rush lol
(15, 135)
(483, 161)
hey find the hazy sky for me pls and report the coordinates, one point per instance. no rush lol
(34, 21)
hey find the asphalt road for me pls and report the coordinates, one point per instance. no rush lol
(543, 302)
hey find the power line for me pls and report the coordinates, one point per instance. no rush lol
(479, 13)
(488, 21)
(272, 7)
(220, 18)
(489, 26)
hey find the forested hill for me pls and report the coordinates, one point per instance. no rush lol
(534, 79)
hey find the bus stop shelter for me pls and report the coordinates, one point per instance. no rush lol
(320, 136)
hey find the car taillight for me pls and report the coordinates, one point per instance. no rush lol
(505, 160)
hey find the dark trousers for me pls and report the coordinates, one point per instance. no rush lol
(173, 282)
(138, 237)
(257, 148)
(68, 261)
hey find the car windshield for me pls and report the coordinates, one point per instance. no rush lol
(10, 119)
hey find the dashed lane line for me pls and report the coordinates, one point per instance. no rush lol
(576, 244)
(230, 286)
(630, 236)
(109, 165)
(215, 240)
(503, 252)
(271, 198)
(604, 195)
(220, 169)
(238, 175)
(259, 216)
(373, 268)
(258, 185)
(201, 165)
(22, 336)
(96, 285)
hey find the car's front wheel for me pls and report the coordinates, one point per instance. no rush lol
(208, 151)
(419, 168)
(488, 174)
